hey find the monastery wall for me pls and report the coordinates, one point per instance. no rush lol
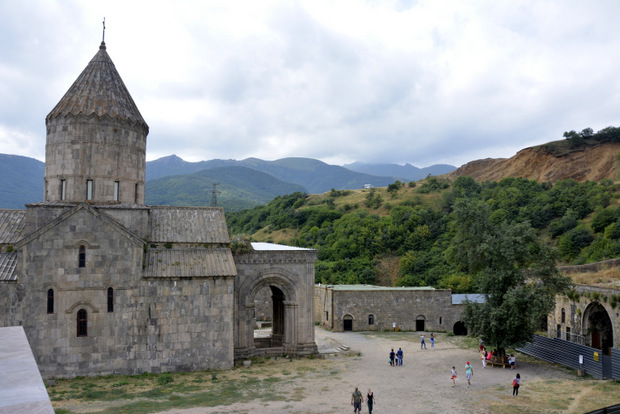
(378, 309)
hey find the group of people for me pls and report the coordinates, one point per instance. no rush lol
(357, 399)
(423, 342)
(396, 358)
(469, 371)
(486, 356)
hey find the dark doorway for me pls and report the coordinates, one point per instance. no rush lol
(598, 326)
(277, 333)
(269, 318)
(347, 323)
(459, 328)
(419, 323)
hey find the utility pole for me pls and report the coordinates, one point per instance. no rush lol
(214, 193)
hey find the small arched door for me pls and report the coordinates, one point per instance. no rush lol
(419, 323)
(347, 323)
(459, 328)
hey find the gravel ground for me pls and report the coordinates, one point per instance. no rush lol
(421, 385)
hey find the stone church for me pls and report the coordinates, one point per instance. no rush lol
(103, 284)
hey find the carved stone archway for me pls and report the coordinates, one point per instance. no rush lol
(289, 275)
(597, 328)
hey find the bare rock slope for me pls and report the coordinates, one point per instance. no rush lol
(550, 162)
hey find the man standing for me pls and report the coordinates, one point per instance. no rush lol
(469, 371)
(356, 401)
(399, 354)
(422, 343)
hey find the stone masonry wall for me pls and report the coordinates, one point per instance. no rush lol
(155, 326)
(402, 306)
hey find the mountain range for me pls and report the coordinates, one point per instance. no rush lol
(241, 184)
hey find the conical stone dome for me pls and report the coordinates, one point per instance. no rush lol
(99, 90)
(96, 140)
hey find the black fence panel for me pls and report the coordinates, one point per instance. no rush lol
(567, 353)
(615, 363)
(612, 409)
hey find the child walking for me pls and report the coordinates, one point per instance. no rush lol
(515, 385)
(453, 376)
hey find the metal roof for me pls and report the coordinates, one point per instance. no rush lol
(188, 225)
(373, 287)
(8, 264)
(189, 262)
(100, 91)
(460, 298)
(275, 247)
(11, 225)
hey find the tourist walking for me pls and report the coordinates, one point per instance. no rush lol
(399, 354)
(422, 343)
(469, 371)
(432, 340)
(515, 385)
(453, 376)
(356, 401)
(370, 400)
(392, 358)
(483, 357)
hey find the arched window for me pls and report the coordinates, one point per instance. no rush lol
(371, 319)
(50, 301)
(110, 299)
(89, 189)
(116, 189)
(82, 256)
(82, 323)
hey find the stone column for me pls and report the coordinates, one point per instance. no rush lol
(290, 324)
(245, 340)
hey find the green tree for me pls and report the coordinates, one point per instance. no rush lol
(511, 267)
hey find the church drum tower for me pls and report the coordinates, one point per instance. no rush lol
(96, 140)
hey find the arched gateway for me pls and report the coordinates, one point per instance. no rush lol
(288, 273)
(598, 328)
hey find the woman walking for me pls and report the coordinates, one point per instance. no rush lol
(370, 400)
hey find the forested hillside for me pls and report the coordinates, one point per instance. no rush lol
(238, 188)
(22, 181)
(401, 234)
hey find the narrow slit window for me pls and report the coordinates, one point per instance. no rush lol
(82, 256)
(110, 299)
(89, 189)
(136, 194)
(116, 187)
(82, 323)
(50, 301)
(63, 190)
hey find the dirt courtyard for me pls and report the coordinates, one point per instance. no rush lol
(421, 385)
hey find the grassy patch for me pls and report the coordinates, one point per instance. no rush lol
(148, 393)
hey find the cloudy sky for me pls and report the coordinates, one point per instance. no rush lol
(423, 82)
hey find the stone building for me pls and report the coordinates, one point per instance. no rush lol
(103, 284)
(377, 308)
(590, 316)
